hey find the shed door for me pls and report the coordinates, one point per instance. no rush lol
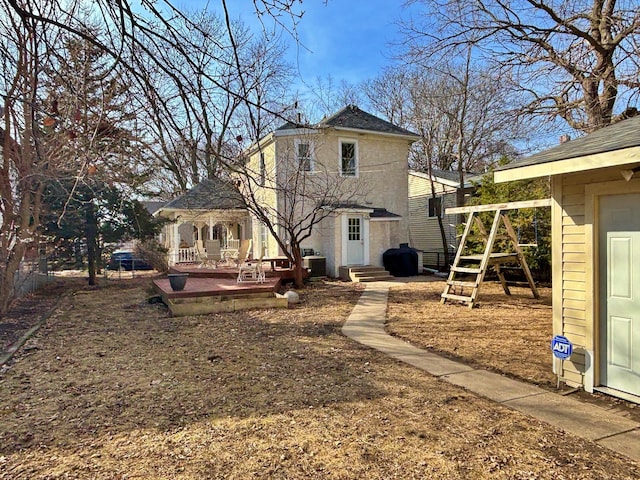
(620, 292)
(355, 240)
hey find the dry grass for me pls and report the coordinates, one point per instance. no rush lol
(510, 335)
(114, 388)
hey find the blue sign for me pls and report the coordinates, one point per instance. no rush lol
(561, 347)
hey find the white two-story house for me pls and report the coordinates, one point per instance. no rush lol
(350, 170)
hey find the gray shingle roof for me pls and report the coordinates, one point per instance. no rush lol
(620, 135)
(383, 213)
(454, 176)
(376, 212)
(446, 174)
(153, 206)
(209, 194)
(354, 118)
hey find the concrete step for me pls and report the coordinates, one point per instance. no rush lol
(364, 273)
(370, 273)
(377, 278)
(364, 268)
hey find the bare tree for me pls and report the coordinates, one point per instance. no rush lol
(294, 197)
(456, 107)
(24, 159)
(133, 38)
(572, 59)
(389, 94)
(328, 97)
(201, 121)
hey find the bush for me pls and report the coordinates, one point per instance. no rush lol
(153, 253)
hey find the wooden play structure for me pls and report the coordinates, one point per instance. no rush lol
(473, 267)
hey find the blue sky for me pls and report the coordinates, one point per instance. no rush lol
(347, 39)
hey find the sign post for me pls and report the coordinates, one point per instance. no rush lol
(562, 349)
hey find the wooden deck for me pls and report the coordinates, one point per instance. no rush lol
(212, 287)
(216, 290)
(194, 270)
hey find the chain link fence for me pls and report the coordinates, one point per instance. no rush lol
(32, 276)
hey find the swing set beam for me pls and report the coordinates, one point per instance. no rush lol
(499, 261)
(542, 202)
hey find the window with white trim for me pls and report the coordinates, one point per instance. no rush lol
(348, 158)
(304, 155)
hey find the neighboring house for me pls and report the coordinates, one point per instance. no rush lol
(351, 150)
(596, 254)
(424, 208)
(212, 210)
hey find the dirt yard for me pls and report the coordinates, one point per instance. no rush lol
(112, 388)
(507, 334)
(510, 335)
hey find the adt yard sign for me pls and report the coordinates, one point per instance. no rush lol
(561, 347)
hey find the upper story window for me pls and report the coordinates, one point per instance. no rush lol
(304, 155)
(263, 170)
(348, 158)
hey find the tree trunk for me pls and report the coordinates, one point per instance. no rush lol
(91, 234)
(298, 268)
(445, 244)
(7, 277)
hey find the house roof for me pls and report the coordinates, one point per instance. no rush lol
(353, 118)
(619, 136)
(450, 177)
(153, 206)
(383, 213)
(374, 212)
(446, 174)
(209, 194)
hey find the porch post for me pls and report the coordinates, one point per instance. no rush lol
(174, 244)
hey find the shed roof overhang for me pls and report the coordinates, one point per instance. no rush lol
(621, 157)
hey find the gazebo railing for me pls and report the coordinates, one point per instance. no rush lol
(187, 255)
(232, 244)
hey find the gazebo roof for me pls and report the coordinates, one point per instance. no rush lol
(209, 194)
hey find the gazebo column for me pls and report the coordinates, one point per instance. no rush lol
(174, 240)
(198, 240)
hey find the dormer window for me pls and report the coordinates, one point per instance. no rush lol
(348, 158)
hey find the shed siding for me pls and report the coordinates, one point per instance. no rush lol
(573, 277)
(577, 323)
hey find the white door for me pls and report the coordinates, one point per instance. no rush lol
(355, 240)
(620, 292)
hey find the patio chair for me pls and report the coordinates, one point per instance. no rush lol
(212, 256)
(201, 257)
(251, 271)
(243, 252)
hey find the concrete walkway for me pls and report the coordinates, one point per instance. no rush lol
(366, 325)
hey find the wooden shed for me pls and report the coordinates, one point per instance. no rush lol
(595, 190)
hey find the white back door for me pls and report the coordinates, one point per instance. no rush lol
(620, 292)
(355, 240)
